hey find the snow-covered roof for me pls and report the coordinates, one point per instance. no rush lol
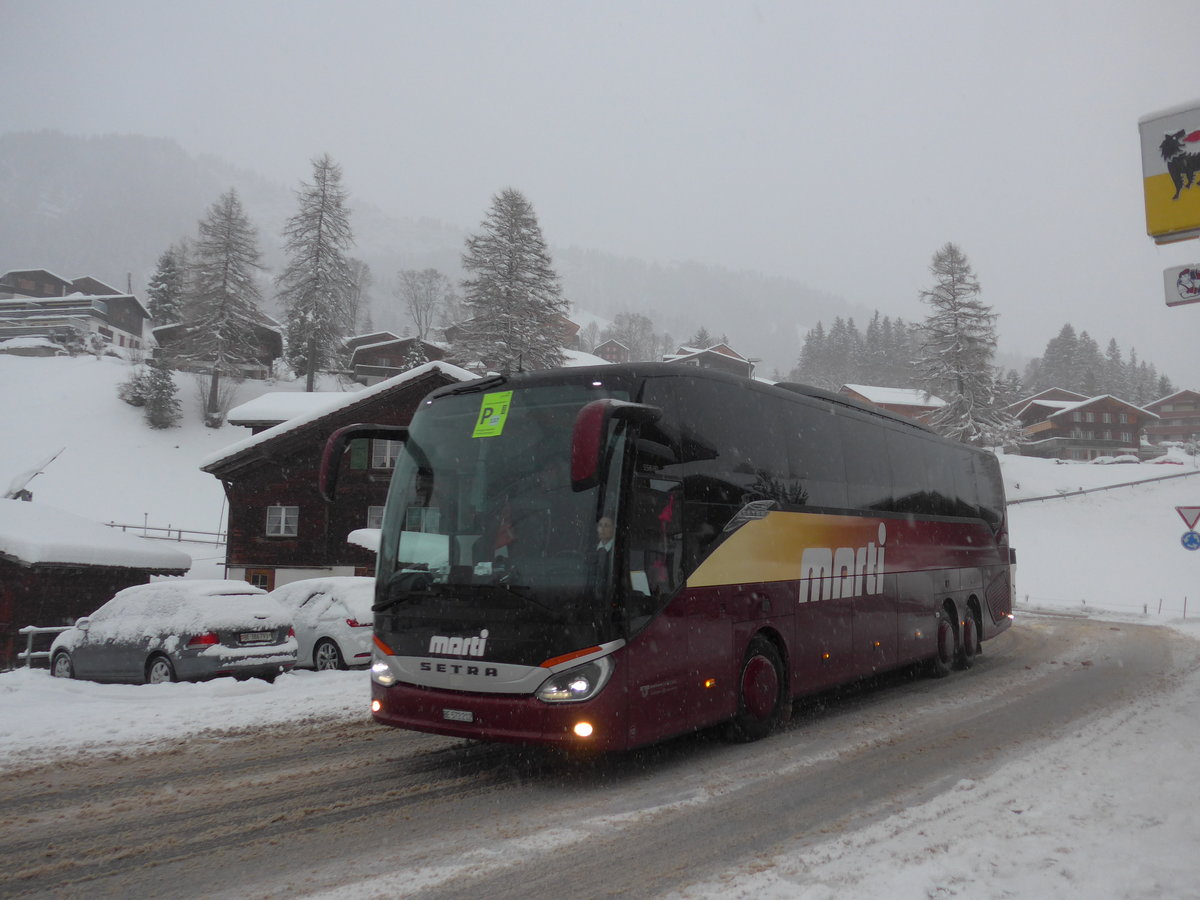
(896, 396)
(279, 406)
(574, 358)
(1079, 404)
(340, 402)
(32, 533)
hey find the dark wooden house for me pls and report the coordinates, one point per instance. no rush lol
(912, 403)
(373, 362)
(1081, 429)
(36, 303)
(280, 530)
(56, 567)
(1178, 418)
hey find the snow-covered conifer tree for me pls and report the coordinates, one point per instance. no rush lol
(223, 302)
(512, 296)
(316, 289)
(162, 407)
(956, 361)
(165, 293)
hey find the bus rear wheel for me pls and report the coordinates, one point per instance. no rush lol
(764, 701)
(968, 647)
(945, 652)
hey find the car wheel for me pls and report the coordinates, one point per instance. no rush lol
(159, 670)
(62, 667)
(327, 656)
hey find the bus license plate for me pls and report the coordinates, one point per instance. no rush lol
(458, 715)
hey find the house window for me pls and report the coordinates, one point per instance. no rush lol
(1127, 437)
(1123, 418)
(282, 521)
(384, 453)
(1108, 434)
(1076, 417)
(263, 578)
(1090, 417)
(1107, 418)
(1077, 433)
(375, 516)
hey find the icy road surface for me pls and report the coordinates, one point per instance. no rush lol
(344, 807)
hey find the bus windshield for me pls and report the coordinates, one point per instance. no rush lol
(483, 528)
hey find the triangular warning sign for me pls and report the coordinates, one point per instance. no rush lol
(1190, 515)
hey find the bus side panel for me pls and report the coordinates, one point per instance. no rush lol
(661, 676)
(917, 602)
(822, 653)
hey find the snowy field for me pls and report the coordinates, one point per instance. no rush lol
(1111, 810)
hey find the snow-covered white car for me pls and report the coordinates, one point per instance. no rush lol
(332, 617)
(179, 630)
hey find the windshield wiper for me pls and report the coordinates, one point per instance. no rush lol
(522, 593)
(405, 587)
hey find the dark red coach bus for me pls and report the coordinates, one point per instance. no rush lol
(606, 557)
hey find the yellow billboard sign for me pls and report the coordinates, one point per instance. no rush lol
(1171, 172)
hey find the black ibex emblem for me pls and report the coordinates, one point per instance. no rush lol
(1181, 151)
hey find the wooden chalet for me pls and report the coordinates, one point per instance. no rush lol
(268, 347)
(56, 567)
(1178, 418)
(718, 356)
(36, 303)
(373, 362)
(613, 351)
(1077, 428)
(911, 403)
(280, 530)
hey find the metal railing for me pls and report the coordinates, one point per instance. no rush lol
(170, 533)
(1107, 487)
(31, 631)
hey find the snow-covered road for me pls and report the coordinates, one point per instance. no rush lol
(931, 781)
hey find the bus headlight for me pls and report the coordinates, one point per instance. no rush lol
(580, 683)
(381, 673)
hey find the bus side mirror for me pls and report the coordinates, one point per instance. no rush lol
(336, 446)
(591, 426)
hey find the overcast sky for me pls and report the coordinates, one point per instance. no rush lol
(839, 143)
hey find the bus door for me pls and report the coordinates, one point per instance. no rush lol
(661, 672)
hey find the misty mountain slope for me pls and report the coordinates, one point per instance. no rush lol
(108, 206)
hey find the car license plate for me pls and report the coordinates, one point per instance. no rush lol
(458, 715)
(257, 637)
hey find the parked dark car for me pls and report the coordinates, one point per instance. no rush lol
(178, 630)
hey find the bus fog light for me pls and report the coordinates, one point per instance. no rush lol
(381, 673)
(580, 683)
(583, 729)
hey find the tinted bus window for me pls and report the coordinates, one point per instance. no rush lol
(990, 485)
(814, 447)
(868, 475)
(910, 472)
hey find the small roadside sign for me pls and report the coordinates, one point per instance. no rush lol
(1190, 515)
(1181, 284)
(1190, 540)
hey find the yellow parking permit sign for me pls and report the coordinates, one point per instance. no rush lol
(493, 413)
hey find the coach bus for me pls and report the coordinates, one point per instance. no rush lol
(606, 557)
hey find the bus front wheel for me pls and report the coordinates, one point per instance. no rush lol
(764, 701)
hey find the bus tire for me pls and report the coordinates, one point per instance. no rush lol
(764, 700)
(968, 647)
(945, 649)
